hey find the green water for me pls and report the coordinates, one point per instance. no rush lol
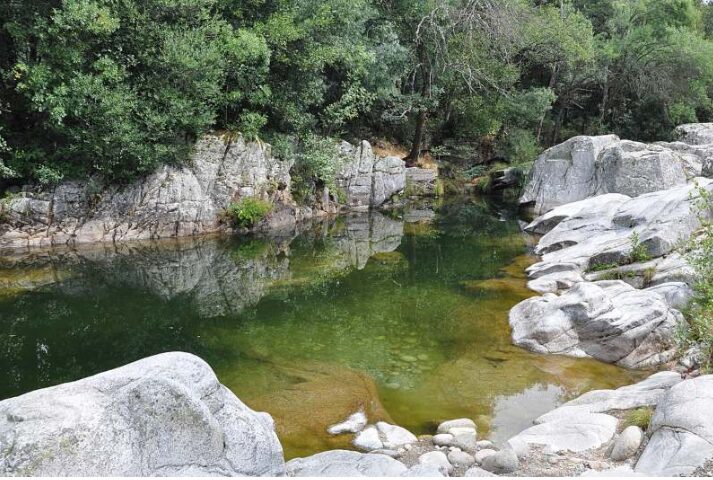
(404, 316)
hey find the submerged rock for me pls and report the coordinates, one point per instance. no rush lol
(165, 415)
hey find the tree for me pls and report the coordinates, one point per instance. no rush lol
(110, 87)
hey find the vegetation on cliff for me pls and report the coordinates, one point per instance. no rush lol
(116, 87)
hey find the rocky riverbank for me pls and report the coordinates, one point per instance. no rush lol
(190, 200)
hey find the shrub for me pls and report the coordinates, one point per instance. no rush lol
(641, 417)
(699, 315)
(248, 211)
(639, 251)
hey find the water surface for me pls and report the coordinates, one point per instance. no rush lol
(402, 315)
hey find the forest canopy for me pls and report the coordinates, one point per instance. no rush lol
(114, 88)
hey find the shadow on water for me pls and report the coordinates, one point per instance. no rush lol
(402, 315)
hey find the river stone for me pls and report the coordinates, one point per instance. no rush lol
(482, 444)
(165, 415)
(344, 463)
(436, 459)
(459, 458)
(478, 472)
(394, 436)
(355, 423)
(445, 427)
(442, 439)
(607, 320)
(502, 462)
(627, 443)
(465, 441)
(419, 470)
(681, 430)
(368, 439)
(483, 454)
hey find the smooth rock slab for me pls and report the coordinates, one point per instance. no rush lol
(580, 425)
(345, 463)
(165, 415)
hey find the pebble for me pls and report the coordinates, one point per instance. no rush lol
(442, 439)
(368, 439)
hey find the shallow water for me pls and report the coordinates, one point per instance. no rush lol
(404, 316)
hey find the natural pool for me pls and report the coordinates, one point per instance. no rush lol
(402, 315)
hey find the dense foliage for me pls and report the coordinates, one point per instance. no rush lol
(115, 87)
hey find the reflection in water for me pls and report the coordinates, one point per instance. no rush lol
(404, 316)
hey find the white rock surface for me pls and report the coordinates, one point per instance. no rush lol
(607, 320)
(681, 430)
(345, 463)
(483, 454)
(478, 472)
(459, 458)
(171, 202)
(165, 415)
(584, 167)
(581, 424)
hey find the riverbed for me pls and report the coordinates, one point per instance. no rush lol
(402, 314)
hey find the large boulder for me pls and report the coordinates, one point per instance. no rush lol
(681, 430)
(174, 201)
(165, 415)
(584, 167)
(565, 173)
(607, 320)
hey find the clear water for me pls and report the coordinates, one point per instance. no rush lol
(404, 316)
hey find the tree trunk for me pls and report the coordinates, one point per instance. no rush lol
(415, 152)
(422, 118)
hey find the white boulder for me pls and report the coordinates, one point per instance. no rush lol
(165, 415)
